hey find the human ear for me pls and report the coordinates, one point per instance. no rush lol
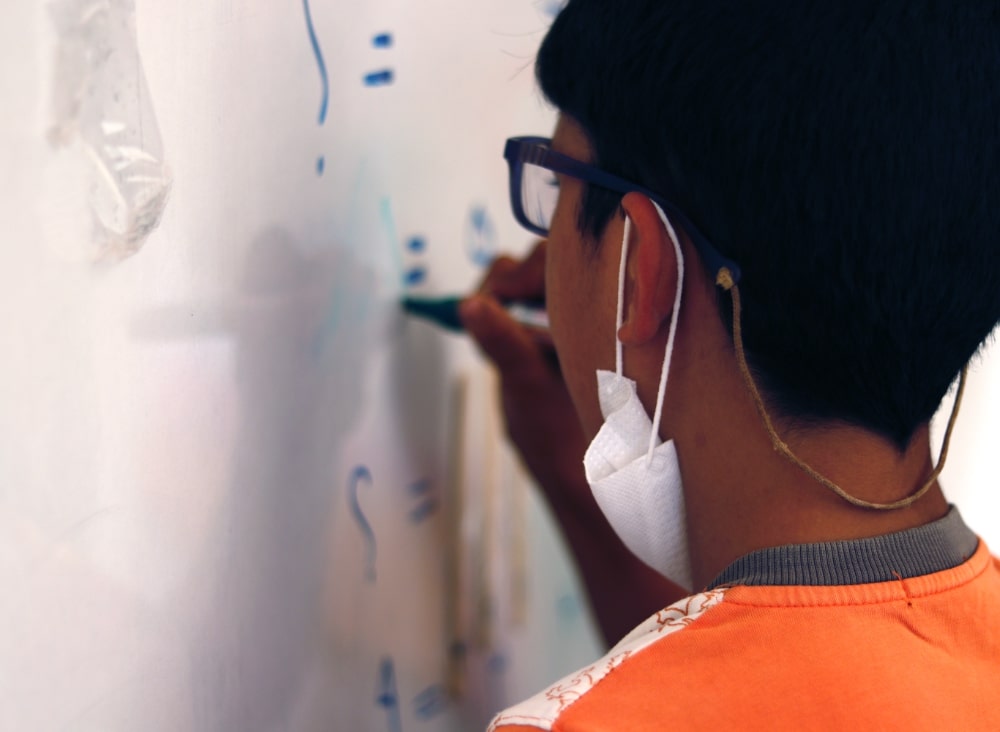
(651, 273)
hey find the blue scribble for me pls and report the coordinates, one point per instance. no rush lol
(379, 78)
(382, 40)
(359, 475)
(431, 702)
(417, 244)
(387, 696)
(427, 502)
(482, 242)
(321, 162)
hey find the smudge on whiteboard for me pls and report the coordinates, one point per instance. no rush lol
(552, 8)
(105, 130)
(481, 237)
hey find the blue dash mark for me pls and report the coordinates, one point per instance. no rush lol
(415, 276)
(387, 696)
(382, 40)
(383, 77)
(427, 503)
(431, 702)
(359, 475)
(417, 244)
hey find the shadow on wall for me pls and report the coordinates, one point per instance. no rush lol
(300, 389)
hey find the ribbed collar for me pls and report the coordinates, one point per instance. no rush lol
(934, 547)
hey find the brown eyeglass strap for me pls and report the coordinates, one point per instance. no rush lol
(726, 282)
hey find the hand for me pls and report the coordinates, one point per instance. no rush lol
(543, 425)
(539, 414)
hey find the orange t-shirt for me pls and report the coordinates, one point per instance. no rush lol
(917, 653)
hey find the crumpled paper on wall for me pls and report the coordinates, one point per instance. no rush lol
(105, 128)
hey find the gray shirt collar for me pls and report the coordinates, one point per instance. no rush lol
(934, 547)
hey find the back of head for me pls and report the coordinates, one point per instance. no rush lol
(845, 154)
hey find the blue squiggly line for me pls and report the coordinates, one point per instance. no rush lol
(319, 60)
(359, 475)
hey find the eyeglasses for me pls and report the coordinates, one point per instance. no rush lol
(534, 192)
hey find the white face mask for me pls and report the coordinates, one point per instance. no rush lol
(635, 478)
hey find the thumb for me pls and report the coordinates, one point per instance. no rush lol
(505, 342)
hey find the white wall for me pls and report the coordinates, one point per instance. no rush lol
(183, 413)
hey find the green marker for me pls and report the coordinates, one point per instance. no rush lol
(444, 312)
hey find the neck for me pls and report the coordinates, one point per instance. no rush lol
(741, 494)
(740, 499)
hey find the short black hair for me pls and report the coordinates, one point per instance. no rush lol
(845, 154)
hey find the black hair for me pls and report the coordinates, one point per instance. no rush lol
(845, 154)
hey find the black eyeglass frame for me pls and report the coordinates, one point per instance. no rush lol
(538, 151)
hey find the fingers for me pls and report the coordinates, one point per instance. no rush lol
(507, 343)
(512, 279)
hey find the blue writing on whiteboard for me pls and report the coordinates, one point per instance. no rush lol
(416, 245)
(360, 475)
(386, 695)
(381, 77)
(426, 502)
(481, 242)
(417, 274)
(325, 101)
(431, 702)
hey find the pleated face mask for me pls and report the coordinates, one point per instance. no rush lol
(635, 477)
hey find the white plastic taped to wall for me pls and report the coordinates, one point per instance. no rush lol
(104, 121)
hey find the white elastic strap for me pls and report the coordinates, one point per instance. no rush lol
(620, 318)
(674, 320)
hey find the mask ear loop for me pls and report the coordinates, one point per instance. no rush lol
(671, 337)
(725, 280)
(620, 318)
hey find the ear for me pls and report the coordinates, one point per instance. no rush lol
(651, 273)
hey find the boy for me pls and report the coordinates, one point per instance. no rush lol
(771, 230)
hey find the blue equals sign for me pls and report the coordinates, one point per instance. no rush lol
(382, 77)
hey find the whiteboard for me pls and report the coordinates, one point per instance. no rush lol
(238, 490)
